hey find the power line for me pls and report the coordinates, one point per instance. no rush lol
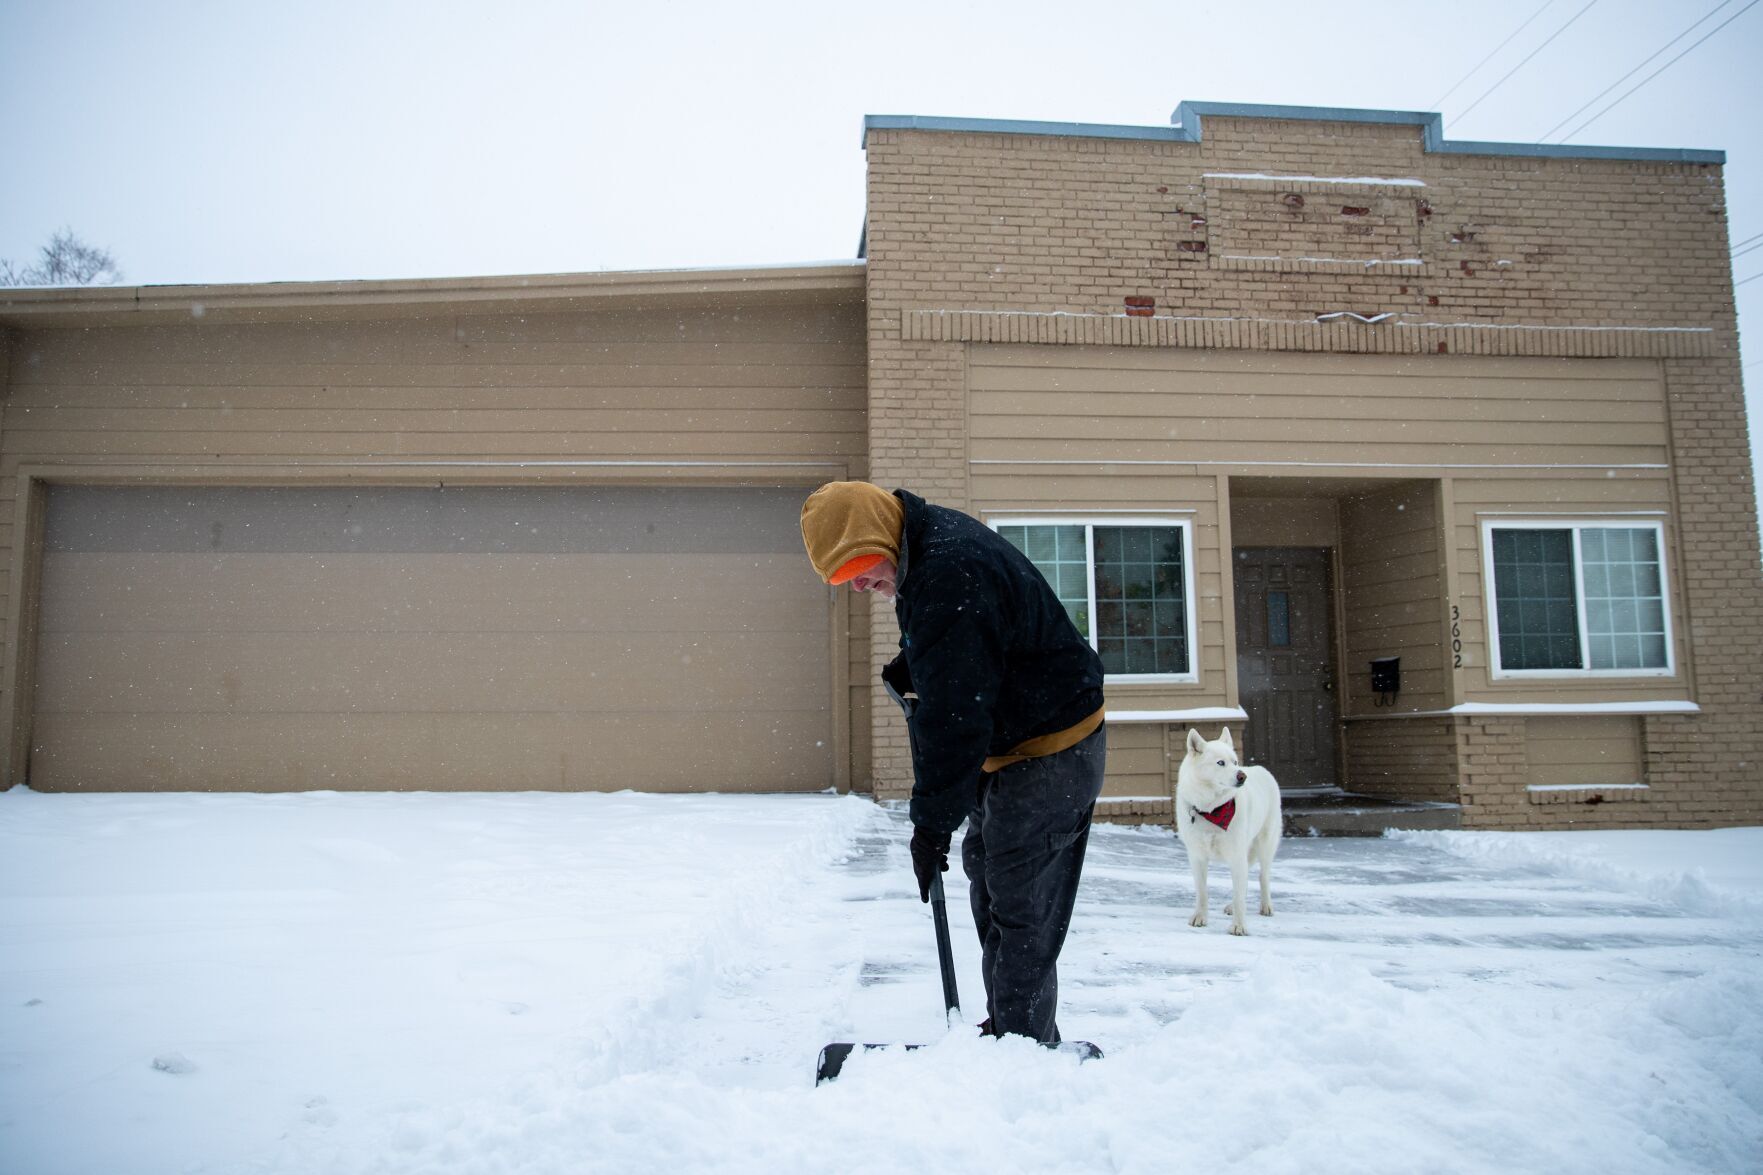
(1461, 114)
(1593, 99)
(1657, 72)
(1737, 253)
(1752, 278)
(1440, 100)
(1748, 240)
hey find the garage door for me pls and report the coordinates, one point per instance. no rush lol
(417, 638)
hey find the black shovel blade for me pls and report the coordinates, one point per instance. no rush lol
(833, 1056)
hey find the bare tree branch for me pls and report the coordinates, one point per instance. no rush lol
(64, 261)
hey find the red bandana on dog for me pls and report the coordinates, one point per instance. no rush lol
(1222, 814)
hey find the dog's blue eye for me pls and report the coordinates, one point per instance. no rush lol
(1221, 762)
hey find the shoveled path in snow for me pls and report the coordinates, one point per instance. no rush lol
(650, 979)
(1406, 1009)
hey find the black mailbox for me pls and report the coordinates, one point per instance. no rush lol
(1386, 679)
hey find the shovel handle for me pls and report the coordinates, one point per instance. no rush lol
(945, 952)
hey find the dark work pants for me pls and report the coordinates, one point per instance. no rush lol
(1024, 853)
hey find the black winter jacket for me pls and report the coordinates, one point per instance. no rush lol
(989, 650)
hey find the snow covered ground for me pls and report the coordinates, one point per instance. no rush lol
(611, 983)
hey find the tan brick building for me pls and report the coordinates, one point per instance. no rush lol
(1355, 368)
(1272, 395)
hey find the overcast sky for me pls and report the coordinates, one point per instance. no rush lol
(255, 141)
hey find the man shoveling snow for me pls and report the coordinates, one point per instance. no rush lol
(1004, 707)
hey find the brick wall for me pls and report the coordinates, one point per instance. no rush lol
(978, 236)
(917, 441)
(1047, 223)
(1709, 769)
(1492, 772)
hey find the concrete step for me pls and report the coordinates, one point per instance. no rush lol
(1337, 813)
(1319, 813)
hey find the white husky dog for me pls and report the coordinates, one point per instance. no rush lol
(1226, 813)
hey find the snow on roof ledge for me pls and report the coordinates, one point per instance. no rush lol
(1199, 714)
(1659, 707)
(309, 300)
(1538, 709)
(1189, 116)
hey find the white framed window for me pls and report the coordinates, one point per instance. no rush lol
(1127, 583)
(1577, 598)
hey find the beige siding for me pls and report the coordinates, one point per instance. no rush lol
(1409, 758)
(1283, 522)
(1125, 404)
(1584, 751)
(1391, 596)
(1136, 763)
(781, 384)
(1044, 422)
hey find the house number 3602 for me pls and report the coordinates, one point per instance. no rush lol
(1456, 638)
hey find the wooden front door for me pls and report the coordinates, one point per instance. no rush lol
(1285, 663)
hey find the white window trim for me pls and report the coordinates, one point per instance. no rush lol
(1574, 524)
(1089, 522)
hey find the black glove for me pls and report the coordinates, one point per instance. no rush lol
(897, 680)
(930, 856)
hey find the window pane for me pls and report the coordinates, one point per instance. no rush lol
(1279, 619)
(1113, 655)
(1058, 554)
(1623, 596)
(1141, 656)
(1533, 593)
(1646, 578)
(1172, 657)
(1141, 605)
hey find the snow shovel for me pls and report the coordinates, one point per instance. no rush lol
(833, 1056)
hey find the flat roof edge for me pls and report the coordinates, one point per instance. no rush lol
(1189, 118)
(1011, 126)
(26, 305)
